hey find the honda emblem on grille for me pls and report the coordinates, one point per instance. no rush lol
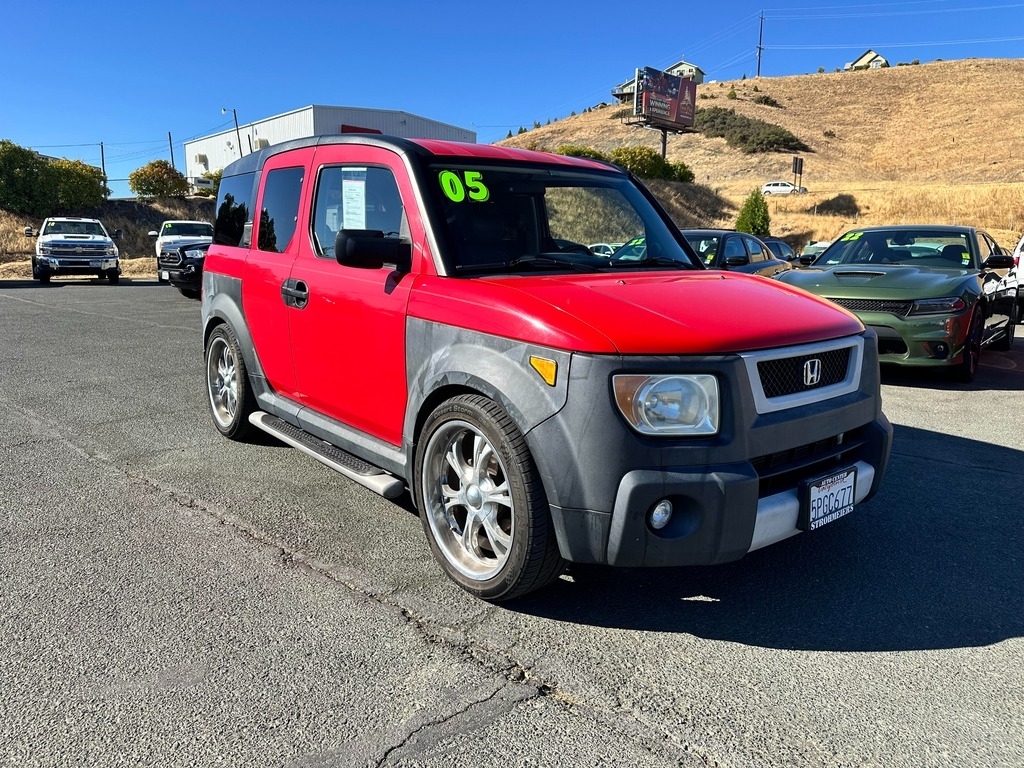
(812, 372)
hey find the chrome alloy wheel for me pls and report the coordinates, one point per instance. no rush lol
(222, 381)
(467, 500)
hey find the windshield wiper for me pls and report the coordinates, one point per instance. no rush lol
(647, 261)
(547, 260)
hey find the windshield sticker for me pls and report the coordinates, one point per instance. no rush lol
(851, 236)
(470, 185)
(966, 258)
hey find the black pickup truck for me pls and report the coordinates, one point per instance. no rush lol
(181, 265)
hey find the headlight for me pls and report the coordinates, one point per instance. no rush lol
(669, 404)
(947, 306)
(111, 250)
(45, 249)
(195, 254)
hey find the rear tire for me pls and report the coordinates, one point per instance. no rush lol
(481, 501)
(1005, 343)
(229, 395)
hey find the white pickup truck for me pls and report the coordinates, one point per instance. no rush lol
(71, 245)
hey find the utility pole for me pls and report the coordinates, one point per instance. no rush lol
(760, 39)
(171, 145)
(238, 134)
(103, 168)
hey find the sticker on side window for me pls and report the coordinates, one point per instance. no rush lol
(469, 185)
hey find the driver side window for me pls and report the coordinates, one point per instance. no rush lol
(355, 197)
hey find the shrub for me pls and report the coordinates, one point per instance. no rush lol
(829, 134)
(647, 163)
(731, 94)
(745, 133)
(157, 179)
(578, 150)
(767, 100)
(754, 218)
(620, 113)
(755, 89)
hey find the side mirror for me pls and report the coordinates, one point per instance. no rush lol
(806, 261)
(153, 233)
(28, 232)
(998, 261)
(117, 234)
(369, 249)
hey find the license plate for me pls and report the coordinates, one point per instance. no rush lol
(95, 263)
(165, 275)
(826, 499)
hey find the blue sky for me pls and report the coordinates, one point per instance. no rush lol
(78, 74)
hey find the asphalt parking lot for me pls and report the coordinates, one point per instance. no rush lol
(173, 598)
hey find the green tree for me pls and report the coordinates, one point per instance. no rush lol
(157, 179)
(77, 184)
(647, 163)
(25, 187)
(754, 218)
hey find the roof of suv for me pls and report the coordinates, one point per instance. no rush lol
(421, 147)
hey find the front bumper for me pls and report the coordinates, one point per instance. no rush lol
(54, 265)
(733, 493)
(189, 276)
(925, 340)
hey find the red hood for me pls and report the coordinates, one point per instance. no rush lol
(652, 313)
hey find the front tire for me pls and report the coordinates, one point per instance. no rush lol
(113, 277)
(481, 501)
(189, 293)
(966, 369)
(229, 395)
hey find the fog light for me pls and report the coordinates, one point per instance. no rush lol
(660, 514)
(941, 350)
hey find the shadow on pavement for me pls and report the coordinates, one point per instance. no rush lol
(934, 561)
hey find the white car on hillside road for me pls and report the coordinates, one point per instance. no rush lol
(782, 188)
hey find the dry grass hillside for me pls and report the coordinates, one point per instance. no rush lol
(940, 142)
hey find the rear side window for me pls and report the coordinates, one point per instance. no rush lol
(281, 192)
(755, 249)
(234, 211)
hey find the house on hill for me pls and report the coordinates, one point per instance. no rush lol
(867, 60)
(624, 92)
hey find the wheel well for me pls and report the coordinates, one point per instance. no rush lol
(211, 326)
(433, 400)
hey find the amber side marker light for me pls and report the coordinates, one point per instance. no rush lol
(548, 369)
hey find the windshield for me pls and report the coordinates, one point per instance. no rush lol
(930, 248)
(74, 228)
(510, 219)
(187, 229)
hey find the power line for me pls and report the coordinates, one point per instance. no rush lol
(890, 14)
(891, 45)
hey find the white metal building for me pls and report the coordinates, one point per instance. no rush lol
(211, 153)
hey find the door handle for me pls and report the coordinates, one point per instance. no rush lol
(295, 293)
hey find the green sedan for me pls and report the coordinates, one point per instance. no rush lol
(936, 295)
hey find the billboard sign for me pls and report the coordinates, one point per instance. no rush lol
(664, 100)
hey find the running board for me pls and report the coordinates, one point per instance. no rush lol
(352, 467)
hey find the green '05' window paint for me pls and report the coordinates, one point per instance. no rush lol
(470, 184)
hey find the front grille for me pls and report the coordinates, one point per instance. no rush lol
(78, 249)
(170, 259)
(784, 470)
(785, 376)
(898, 308)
